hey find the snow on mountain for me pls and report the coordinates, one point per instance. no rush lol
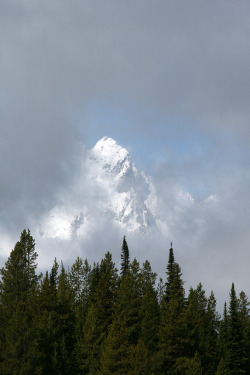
(130, 192)
(111, 189)
(117, 191)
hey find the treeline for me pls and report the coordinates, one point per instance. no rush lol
(96, 320)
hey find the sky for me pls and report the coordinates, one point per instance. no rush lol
(169, 80)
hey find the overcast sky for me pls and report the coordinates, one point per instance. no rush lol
(169, 80)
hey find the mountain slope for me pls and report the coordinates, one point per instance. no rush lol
(115, 190)
(130, 191)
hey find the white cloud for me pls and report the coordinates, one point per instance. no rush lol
(171, 81)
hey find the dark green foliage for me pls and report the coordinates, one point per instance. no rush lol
(245, 328)
(103, 287)
(89, 320)
(202, 328)
(222, 368)
(172, 340)
(149, 312)
(234, 357)
(47, 327)
(223, 334)
(124, 257)
(18, 291)
(124, 331)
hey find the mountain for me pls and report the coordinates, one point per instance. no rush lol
(112, 188)
(130, 192)
(110, 192)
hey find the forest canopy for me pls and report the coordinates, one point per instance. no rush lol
(96, 319)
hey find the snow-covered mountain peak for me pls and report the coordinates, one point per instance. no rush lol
(111, 155)
(127, 189)
(111, 190)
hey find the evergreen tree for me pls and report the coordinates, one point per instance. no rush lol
(174, 287)
(223, 335)
(124, 257)
(195, 367)
(212, 329)
(79, 279)
(245, 327)
(222, 368)
(149, 311)
(235, 361)
(172, 326)
(99, 315)
(66, 324)
(19, 276)
(171, 275)
(124, 332)
(149, 317)
(18, 290)
(202, 325)
(116, 354)
(46, 322)
(79, 275)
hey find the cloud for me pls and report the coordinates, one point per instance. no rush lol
(169, 80)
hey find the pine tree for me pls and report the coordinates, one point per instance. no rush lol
(195, 367)
(202, 325)
(124, 257)
(222, 368)
(124, 332)
(18, 291)
(234, 360)
(19, 276)
(223, 334)
(212, 329)
(149, 317)
(149, 311)
(116, 354)
(174, 287)
(66, 323)
(46, 322)
(172, 325)
(79, 279)
(244, 315)
(171, 275)
(99, 315)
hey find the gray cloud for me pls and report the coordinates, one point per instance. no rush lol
(169, 79)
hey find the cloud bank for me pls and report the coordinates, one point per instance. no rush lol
(168, 80)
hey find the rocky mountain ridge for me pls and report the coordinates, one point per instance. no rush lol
(120, 192)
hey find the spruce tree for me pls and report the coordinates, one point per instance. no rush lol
(150, 310)
(212, 329)
(18, 292)
(235, 361)
(46, 322)
(202, 325)
(149, 317)
(124, 257)
(244, 315)
(65, 326)
(172, 325)
(99, 315)
(79, 279)
(124, 332)
(223, 334)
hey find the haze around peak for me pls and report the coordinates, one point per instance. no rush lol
(169, 81)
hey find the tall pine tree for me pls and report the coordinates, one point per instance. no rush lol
(18, 291)
(235, 361)
(124, 257)
(172, 324)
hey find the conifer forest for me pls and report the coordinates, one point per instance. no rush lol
(99, 319)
